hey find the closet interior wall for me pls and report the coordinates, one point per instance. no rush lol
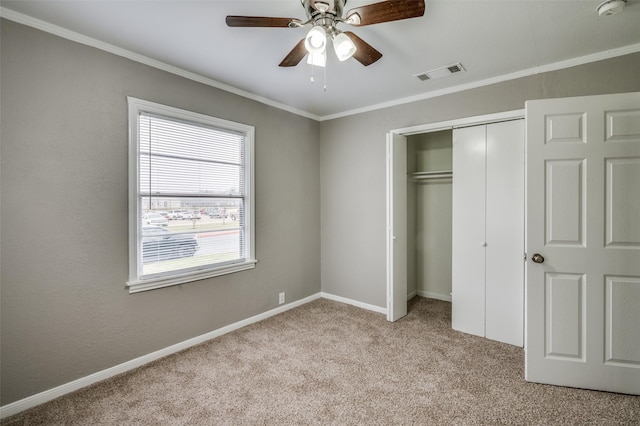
(429, 214)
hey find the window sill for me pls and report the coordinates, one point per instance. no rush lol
(136, 286)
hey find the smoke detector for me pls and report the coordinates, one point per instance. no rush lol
(610, 7)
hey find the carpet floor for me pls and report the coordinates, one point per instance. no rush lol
(334, 364)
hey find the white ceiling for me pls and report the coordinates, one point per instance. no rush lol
(493, 39)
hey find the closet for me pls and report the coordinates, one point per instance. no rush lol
(429, 165)
(488, 231)
(465, 223)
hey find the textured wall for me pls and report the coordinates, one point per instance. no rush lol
(352, 168)
(65, 311)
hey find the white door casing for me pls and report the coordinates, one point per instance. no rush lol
(396, 171)
(582, 320)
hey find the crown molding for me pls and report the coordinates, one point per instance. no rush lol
(594, 57)
(92, 42)
(82, 39)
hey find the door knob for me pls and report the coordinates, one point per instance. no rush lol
(538, 258)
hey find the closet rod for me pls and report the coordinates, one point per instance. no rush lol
(431, 175)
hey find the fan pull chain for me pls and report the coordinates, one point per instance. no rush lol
(313, 79)
(325, 76)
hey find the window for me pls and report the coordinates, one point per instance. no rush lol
(190, 196)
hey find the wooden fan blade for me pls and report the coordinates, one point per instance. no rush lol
(259, 21)
(365, 54)
(385, 11)
(295, 56)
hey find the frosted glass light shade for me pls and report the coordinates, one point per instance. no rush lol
(316, 40)
(343, 46)
(318, 59)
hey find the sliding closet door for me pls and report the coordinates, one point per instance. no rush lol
(468, 235)
(505, 232)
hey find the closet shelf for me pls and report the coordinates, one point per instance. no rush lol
(440, 174)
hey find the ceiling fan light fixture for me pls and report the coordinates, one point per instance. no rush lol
(343, 46)
(318, 59)
(316, 40)
(324, 15)
(610, 7)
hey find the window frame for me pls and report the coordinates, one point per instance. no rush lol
(136, 283)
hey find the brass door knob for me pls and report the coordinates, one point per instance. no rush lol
(538, 258)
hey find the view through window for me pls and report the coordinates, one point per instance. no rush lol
(192, 194)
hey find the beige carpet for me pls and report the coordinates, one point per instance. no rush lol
(330, 363)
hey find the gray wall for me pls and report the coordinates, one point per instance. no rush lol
(352, 168)
(65, 311)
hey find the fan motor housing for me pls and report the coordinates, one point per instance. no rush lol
(313, 8)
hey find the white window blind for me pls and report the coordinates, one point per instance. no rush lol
(193, 196)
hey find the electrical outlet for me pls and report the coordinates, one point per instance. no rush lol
(281, 298)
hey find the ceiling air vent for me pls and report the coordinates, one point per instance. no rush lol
(440, 72)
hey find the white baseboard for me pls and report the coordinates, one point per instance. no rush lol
(411, 295)
(432, 295)
(362, 305)
(48, 395)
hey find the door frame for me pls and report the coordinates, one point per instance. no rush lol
(396, 170)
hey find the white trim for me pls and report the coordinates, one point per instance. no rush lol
(594, 57)
(89, 41)
(48, 395)
(83, 39)
(432, 295)
(362, 305)
(135, 284)
(389, 230)
(389, 221)
(460, 122)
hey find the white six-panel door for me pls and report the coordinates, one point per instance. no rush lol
(583, 220)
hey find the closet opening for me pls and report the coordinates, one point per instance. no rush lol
(429, 214)
(420, 175)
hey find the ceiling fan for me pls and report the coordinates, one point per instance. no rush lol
(324, 16)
